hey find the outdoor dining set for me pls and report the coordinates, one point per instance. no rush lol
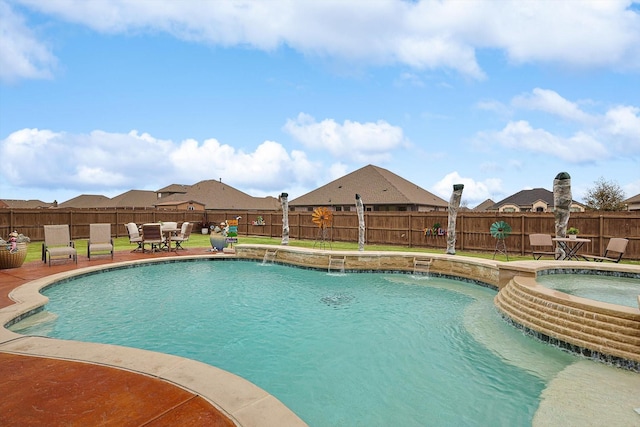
(158, 236)
(568, 248)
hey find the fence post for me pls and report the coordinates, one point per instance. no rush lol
(600, 235)
(522, 238)
(462, 232)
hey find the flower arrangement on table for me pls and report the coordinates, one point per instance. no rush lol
(13, 251)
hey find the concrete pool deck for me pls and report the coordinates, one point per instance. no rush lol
(53, 382)
(56, 382)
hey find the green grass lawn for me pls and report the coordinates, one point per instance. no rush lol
(196, 240)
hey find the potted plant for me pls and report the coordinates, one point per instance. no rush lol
(204, 225)
(13, 251)
(573, 232)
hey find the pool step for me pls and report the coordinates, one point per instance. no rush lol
(336, 264)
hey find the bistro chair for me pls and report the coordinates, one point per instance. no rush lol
(185, 232)
(541, 245)
(134, 236)
(152, 235)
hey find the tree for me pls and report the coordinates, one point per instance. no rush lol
(605, 196)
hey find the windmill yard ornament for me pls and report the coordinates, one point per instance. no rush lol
(322, 217)
(500, 230)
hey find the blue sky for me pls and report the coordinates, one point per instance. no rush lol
(100, 97)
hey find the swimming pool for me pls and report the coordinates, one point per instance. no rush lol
(610, 289)
(355, 349)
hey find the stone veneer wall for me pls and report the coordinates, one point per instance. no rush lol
(598, 330)
(484, 272)
(602, 331)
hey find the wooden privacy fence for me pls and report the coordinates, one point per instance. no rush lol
(384, 228)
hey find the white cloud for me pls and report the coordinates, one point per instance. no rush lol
(597, 136)
(361, 142)
(22, 55)
(268, 167)
(474, 191)
(102, 161)
(423, 35)
(622, 125)
(596, 34)
(551, 102)
(519, 135)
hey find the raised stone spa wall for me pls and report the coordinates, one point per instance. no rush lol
(595, 329)
(598, 330)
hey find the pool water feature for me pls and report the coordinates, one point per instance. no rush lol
(366, 349)
(610, 289)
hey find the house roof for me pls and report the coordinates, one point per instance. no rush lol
(376, 186)
(178, 202)
(134, 199)
(634, 199)
(484, 205)
(23, 204)
(218, 195)
(528, 198)
(174, 188)
(86, 201)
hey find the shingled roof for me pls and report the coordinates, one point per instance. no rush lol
(376, 186)
(484, 205)
(86, 201)
(23, 204)
(526, 198)
(218, 195)
(134, 199)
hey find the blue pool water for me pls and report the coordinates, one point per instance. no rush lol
(339, 350)
(611, 289)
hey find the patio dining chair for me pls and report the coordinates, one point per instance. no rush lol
(100, 239)
(185, 232)
(541, 245)
(152, 235)
(614, 251)
(134, 236)
(58, 244)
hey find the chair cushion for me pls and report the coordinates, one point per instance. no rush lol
(100, 247)
(61, 251)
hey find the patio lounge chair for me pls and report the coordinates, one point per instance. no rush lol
(185, 232)
(615, 250)
(152, 235)
(100, 239)
(134, 236)
(57, 243)
(541, 245)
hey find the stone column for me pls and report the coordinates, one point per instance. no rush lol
(561, 206)
(284, 201)
(361, 229)
(454, 204)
